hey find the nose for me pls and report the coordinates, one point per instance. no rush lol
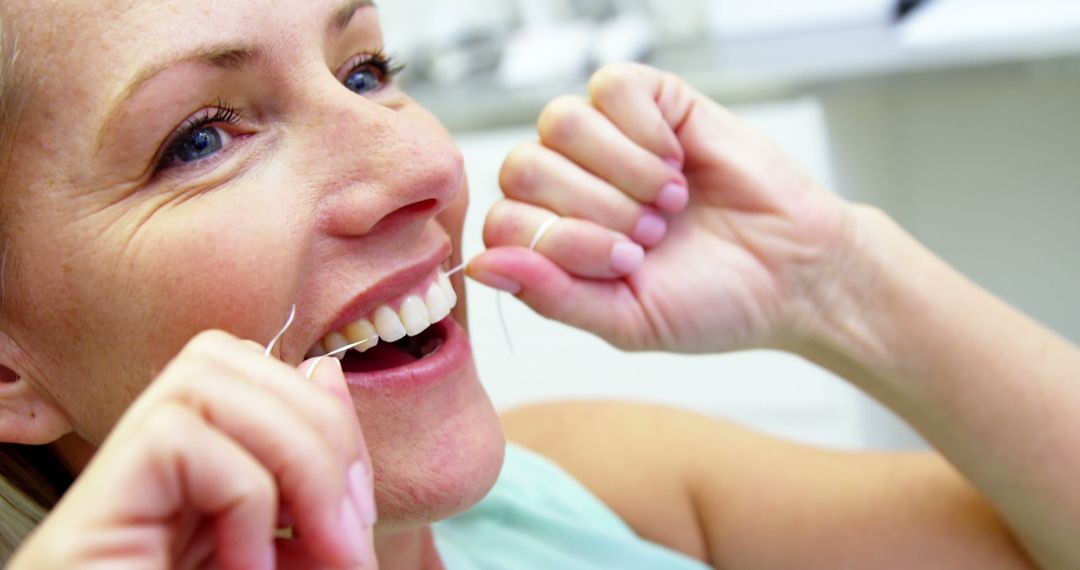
(380, 169)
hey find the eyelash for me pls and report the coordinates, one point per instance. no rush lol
(223, 113)
(387, 66)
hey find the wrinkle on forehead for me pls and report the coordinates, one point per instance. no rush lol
(57, 39)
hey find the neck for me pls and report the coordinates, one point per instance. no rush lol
(408, 550)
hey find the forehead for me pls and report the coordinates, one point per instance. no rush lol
(121, 32)
(77, 56)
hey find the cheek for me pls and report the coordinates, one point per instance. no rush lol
(101, 313)
(452, 219)
(223, 268)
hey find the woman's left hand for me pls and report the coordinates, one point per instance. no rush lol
(223, 444)
(744, 249)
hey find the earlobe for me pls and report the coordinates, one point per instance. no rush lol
(27, 415)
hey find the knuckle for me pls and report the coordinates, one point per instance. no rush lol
(505, 224)
(185, 378)
(519, 174)
(495, 223)
(613, 81)
(561, 120)
(258, 486)
(208, 344)
(169, 426)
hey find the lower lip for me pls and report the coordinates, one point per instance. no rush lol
(451, 358)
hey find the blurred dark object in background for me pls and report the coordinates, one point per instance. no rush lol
(904, 8)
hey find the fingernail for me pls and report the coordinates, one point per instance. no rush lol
(353, 529)
(362, 495)
(497, 281)
(650, 230)
(319, 361)
(627, 257)
(673, 198)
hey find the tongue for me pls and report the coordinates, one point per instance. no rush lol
(384, 356)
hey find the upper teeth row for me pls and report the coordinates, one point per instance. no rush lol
(414, 317)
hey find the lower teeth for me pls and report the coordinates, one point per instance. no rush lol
(430, 347)
(420, 346)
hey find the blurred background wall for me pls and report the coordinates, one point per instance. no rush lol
(961, 118)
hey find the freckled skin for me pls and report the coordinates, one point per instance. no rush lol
(110, 271)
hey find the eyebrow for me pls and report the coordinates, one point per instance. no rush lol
(230, 56)
(345, 14)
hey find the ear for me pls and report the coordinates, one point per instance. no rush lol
(28, 415)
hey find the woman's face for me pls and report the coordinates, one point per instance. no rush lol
(181, 165)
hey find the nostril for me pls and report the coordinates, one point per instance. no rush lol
(422, 210)
(423, 207)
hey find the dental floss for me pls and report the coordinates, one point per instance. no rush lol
(341, 350)
(288, 323)
(498, 302)
(540, 233)
(281, 333)
(502, 321)
(457, 269)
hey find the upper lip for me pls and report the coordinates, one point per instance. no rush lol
(386, 288)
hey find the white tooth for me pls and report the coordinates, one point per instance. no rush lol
(335, 341)
(360, 331)
(448, 290)
(388, 324)
(437, 306)
(414, 315)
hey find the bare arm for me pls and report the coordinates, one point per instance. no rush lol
(995, 392)
(735, 499)
(753, 253)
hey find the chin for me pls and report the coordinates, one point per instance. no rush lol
(435, 439)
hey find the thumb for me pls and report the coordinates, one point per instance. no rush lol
(607, 308)
(325, 372)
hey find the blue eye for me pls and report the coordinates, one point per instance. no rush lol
(369, 73)
(198, 145)
(200, 138)
(364, 79)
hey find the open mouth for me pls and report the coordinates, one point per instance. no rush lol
(389, 337)
(390, 355)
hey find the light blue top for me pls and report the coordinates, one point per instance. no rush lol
(538, 516)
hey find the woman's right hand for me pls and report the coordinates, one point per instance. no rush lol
(198, 471)
(750, 252)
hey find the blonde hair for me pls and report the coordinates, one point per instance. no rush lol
(32, 480)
